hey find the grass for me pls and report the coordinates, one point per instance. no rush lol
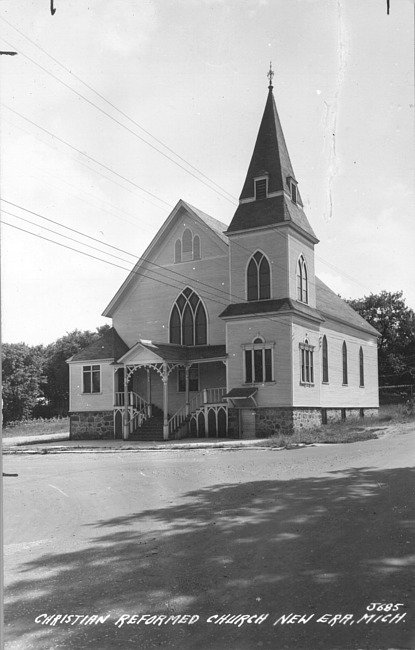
(39, 427)
(348, 431)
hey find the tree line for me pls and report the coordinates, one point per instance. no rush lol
(36, 378)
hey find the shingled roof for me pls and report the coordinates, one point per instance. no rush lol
(270, 212)
(270, 153)
(328, 305)
(332, 306)
(108, 346)
(270, 158)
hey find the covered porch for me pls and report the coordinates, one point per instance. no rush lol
(165, 391)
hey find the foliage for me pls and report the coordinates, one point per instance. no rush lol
(56, 387)
(22, 367)
(36, 378)
(395, 322)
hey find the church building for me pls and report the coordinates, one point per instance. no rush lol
(225, 330)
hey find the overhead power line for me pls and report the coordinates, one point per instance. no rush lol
(82, 153)
(219, 189)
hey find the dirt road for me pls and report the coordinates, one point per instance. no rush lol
(299, 543)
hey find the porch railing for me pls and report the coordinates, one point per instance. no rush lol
(177, 420)
(138, 409)
(207, 396)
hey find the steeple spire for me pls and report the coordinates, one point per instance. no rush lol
(270, 192)
(270, 76)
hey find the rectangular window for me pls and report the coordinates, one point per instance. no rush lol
(91, 379)
(258, 365)
(193, 379)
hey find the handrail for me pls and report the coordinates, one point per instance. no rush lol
(133, 400)
(177, 419)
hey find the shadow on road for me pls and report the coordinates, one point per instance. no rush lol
(308, 546)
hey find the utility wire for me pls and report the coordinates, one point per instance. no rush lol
(82, 153)
(231, 200)
(146, 273)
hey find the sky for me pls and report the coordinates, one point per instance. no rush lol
(113, 111)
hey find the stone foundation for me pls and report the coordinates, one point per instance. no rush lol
(91, 425)
(269, 421)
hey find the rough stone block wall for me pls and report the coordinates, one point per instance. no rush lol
(352, 414)
(371, 413)
(334, 415)
(306, 419)
(92, 425)
(269, 421)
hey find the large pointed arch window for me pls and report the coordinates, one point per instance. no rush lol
(188, 322)
(258, 278)
(302, 280)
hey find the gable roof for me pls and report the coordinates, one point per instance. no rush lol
(109, 346)
(332, 306)
(181, 208)
(217, 226)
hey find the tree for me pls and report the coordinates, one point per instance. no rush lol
(22, 379)
(56, 386)
(395, 322)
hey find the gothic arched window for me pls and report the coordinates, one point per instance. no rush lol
(188, 322)
(344, 358)
(325, 361)
(258, 278)
(361, 367)
(187, 241)
(178, 251)
(302, 280)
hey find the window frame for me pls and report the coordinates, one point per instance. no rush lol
(90, 370)
(325, 360)
(361, 368)
(193, 249)
(266, 362)
(258, 283)
(181, 378)
(306, 359)
(302, 280)
(181, 314)
(261, 179)
(345, 373)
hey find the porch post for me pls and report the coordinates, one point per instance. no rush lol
(206, 412)
(126, 424)
(149, 409)
(186, 374)
(165, 380)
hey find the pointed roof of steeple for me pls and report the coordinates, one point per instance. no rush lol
(270, 153)
(270, 160)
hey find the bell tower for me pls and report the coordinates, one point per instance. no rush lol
(270, 223)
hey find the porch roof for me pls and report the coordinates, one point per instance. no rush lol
(148, 352)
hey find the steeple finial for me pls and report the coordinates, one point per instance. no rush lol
(270, 75)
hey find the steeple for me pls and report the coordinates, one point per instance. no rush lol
(270, 192)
